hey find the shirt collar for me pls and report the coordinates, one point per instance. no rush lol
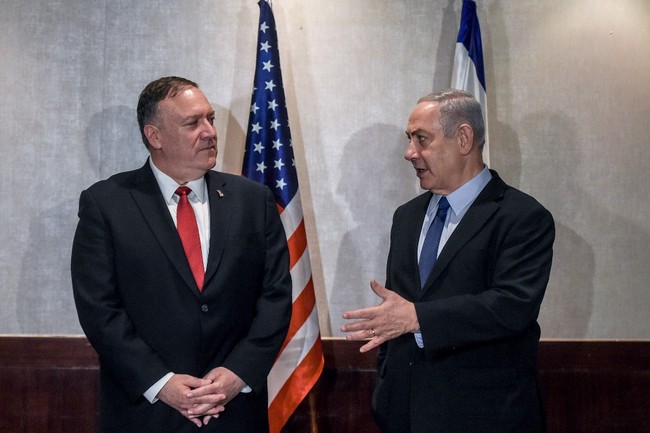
(466, 194)
(168, 185)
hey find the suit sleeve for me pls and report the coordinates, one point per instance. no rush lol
(254, 355)
(101, 313)
(503, 299)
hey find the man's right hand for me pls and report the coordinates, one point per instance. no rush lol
(175, 394)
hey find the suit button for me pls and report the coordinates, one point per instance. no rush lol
(204, 308)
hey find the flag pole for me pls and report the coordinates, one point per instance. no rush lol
(313, 412)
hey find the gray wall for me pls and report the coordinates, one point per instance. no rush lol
(569, 106)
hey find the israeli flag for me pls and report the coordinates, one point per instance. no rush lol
(468, 72)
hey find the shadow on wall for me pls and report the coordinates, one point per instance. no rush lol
(231, 139)
(375, 181)
(568, 303)
(44, 302)
(505, 154)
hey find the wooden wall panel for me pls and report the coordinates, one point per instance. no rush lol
(49, 384)
(596, 386)
(340, 401)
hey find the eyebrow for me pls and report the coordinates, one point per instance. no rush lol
(414, 132)
(198, 116)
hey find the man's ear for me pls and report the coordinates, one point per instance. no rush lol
(465, 138)
(153, 136)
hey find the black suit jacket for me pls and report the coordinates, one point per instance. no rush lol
(477, 313)
(141, 309)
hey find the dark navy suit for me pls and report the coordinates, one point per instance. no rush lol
(144, 315)
(478, 317)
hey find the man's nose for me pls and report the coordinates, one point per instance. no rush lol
(209, 131)
(410, 153)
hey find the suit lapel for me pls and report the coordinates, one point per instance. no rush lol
(479, 213)
(149, 199)
(220, 219)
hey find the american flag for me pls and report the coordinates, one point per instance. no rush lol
(468, 72)
(269, 159)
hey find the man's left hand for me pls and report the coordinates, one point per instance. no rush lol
(224, 382)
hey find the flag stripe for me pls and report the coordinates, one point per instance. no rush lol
(297, 244)
(469, 35)
(302, 308)
(300, 275)
(293, 354)
(282, 406)
(292, 215)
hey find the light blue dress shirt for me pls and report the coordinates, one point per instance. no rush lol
(459, 202)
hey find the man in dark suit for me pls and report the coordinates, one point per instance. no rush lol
(458, 335)
(184, 341)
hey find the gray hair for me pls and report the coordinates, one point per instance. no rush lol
(457, 107)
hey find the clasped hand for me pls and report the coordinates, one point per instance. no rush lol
(201, 399)
(393, 317)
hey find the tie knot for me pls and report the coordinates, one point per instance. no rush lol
(443, 206)
(183, 190)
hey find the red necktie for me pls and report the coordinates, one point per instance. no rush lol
(189, 233)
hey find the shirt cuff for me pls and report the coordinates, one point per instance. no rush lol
(418, 339)
(152, 393)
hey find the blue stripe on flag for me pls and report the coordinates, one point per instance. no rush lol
(469, 35)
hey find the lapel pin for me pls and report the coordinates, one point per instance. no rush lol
(220, 193)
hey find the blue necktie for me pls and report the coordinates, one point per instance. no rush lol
(429, 251)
